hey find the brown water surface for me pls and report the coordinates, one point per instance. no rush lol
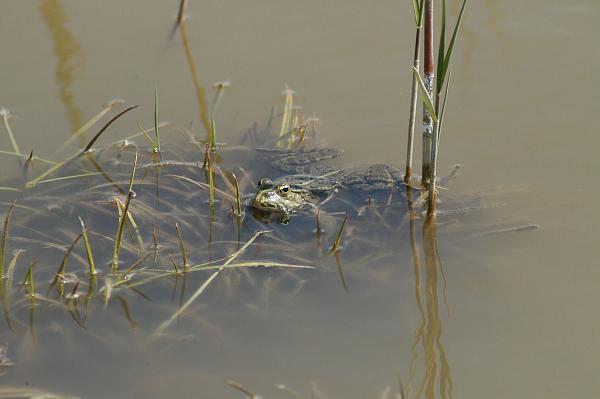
(471, 315)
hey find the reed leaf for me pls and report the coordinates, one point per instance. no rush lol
(425, 95)
(418, 9)
(441, 49)
(448, 54)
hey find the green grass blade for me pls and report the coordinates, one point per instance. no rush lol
(441, 121)
(338, 239)
(145, 133)
(58, 276)
(2, 188)
(213, 134)
(203, 287)
(30, 285)
(5, 113)
(441, 50)
(156, 131)
(453, 41)
(110, 122)
(119, 235)
(88, 249)
(184, 257)
(87, 126)
(59, 165)
(36, 158)
(11, 268)
(3, 244)
(123, 217)
(69, 177)
(425, 95)
(418, 9)
(132, 177)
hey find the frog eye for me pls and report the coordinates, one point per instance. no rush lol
(284, 189)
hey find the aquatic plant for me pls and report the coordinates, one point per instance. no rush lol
(433, 111)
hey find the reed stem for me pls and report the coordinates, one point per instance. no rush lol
(428, 69)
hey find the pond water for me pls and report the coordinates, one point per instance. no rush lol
(462, 309)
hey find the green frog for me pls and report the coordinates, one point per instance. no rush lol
(290, 194)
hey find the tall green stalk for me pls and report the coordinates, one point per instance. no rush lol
(443, 70)
(428, 76)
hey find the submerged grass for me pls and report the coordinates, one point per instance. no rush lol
(4, 243)
(88, 249)
(338, 239)
(122, 219)
(206, 283)
(156, 128)
(59, 165)
(184, 257)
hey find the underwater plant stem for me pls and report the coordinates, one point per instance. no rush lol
(156, 132)
(3, 244)
(119, 236)
(160, 329)
(88, 248)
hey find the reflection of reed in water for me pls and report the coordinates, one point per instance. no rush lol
(429, 329)
(69, 55)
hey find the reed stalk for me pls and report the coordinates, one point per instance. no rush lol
(443, 70)
(428, 76)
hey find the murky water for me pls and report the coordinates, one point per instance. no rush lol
(473, 315)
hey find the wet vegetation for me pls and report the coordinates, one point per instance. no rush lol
(157, 222)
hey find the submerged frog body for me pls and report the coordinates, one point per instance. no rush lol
(313, 182)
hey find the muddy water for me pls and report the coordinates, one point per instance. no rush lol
(503, 315)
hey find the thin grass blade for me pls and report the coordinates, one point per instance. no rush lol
(88, 249)
(453, 41)
(4, 243)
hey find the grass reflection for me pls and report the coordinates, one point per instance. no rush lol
(437, 374)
